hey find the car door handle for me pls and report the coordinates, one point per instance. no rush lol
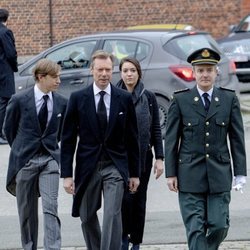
(78, 81)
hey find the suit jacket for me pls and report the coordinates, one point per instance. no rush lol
(22, 130)
(8, 62)
(196, 145)
(120, 142)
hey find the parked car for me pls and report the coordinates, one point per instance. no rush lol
(162, 54)
(237, 47)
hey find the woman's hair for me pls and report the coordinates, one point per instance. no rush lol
(134, 61)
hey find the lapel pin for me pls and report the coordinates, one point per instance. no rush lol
(196, 99)
(216, 99)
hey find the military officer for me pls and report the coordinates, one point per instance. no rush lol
(197, 156)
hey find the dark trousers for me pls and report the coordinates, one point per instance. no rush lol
(107, 181)
(206, 218)
(134, 206)
(3, 105)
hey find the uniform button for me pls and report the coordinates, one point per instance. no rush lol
(207, 145)
(207, 133)
(223, 123)
(207, 123)
(179, 160)
(189, 124)
(207, 155)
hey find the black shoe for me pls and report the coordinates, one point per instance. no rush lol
(3, 141)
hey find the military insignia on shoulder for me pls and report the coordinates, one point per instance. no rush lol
(181, 90)
(223, 88)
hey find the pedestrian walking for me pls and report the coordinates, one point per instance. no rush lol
(134, 204)
(101, 120)
(200, 161)
(32, 127)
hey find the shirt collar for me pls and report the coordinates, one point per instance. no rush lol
(201, 92)
(39, 94)
(97, 89)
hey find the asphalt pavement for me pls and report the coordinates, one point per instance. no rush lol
(164, 229)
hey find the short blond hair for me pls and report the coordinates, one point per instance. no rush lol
(46, 67)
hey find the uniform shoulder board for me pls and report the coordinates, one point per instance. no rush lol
(181, 90)
(223, 88)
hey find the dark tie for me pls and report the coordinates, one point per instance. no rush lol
(43, 113)
(102, 113)
(207, 101)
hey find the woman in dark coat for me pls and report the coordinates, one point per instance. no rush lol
(134, 204)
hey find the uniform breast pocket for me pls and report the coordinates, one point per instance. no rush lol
(221, 126)
(190, 128)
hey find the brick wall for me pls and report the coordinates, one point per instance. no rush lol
(30, 19)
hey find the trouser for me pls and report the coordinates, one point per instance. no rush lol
(134, 206)
(3, 105)
(206, 218)
(108, 181)
(40, 176)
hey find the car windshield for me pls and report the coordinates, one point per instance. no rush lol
(182, 47)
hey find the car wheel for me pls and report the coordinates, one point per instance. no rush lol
(163, 105)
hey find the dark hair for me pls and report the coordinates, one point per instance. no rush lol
(101, 54)
(134, 61)
(4, 14)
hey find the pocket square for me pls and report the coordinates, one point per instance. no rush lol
(59, 115)
(121, 113)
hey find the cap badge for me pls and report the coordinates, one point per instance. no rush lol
(205, 53)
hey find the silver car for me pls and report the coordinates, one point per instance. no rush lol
(162, 54)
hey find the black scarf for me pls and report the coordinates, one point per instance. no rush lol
(141, 103)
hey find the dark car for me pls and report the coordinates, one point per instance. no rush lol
(162, 54)
(237, 47)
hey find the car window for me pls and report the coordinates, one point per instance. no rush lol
(183, 46)
(244, 25)
(124, 48)
(77, 55)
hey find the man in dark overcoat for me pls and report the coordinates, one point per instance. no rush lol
(199, 163)
(8, 65)
(101, 120)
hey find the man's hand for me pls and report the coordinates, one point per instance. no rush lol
(68, 185)
(172, 183)
(239, 182)
(133, 184)
(158, 168)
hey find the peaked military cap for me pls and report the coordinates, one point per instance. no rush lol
(204, 56)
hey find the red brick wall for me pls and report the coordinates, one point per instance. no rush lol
(30, 20)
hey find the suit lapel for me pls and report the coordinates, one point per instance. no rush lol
(197, 102)
(215, 103)
(114, 107)
(31, 108)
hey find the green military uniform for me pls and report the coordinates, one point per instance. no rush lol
(197, 152)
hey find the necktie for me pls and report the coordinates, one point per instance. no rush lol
(43, 113)
(102, 113)
(207, 101)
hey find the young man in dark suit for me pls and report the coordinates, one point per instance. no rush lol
(107, 157)
(197, 156)
(33, 127)
(8, 65)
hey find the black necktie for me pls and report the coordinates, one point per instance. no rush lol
(207, 101)
(102, 113)
(43, 113)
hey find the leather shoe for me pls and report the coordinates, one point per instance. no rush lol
(3, 141)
